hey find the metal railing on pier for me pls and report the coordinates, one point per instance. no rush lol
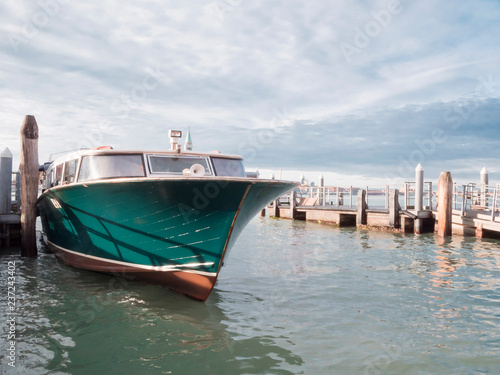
(469, 197)
(478, 198)
(337, 196)
(376, 196)
(429, 196)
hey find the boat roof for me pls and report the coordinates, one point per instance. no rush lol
(102, 151)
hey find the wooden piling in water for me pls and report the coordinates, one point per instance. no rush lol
(361, 213)
(29, 185)
(393, 208)
(445, 193)
(275, 211)
(417, 225)
(479, 231)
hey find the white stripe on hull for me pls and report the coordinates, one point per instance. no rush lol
(168, 268)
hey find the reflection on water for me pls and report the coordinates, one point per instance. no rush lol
(73, 321)
(447, 263)
(294, 298)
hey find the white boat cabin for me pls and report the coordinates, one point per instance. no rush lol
(101, 164)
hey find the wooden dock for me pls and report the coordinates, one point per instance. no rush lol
(10, 201)
(473, 208)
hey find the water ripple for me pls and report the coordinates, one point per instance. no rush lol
(294, 298)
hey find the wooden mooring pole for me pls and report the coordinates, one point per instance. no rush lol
(361, 213)
(394, 208)
(275, 210)
(445, 194)
(29, 185)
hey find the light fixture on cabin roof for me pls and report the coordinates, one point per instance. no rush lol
(174, 135)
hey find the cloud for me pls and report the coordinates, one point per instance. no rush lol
(391, 142)
(239, 73)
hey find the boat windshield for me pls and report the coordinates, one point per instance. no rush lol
(177, 164)
(228, 167)
(98, 167)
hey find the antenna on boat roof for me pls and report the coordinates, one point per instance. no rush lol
(174, 135)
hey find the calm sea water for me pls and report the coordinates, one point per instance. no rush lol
(294, 298)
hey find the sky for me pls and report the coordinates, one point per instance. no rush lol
(358, 91)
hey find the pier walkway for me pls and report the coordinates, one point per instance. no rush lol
(475, 207)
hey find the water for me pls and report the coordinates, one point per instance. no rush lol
(294, 298)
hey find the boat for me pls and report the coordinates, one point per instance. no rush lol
(166, 217)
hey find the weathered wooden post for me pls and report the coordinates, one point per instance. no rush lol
(417, 225)
(484, 187)
(445, 192)
(275, 211)
(479, 230)
(394, 208)
(5, 181)
(29, 185)
(293, 205)
(361, 213)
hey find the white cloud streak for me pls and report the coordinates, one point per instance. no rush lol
(223, 76)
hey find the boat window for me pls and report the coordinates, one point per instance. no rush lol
(109, 166)
(228, 167)
(49, 179)
(176, 164)
(69, 171)
(58, 174)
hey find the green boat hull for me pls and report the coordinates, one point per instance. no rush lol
(175, 232)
